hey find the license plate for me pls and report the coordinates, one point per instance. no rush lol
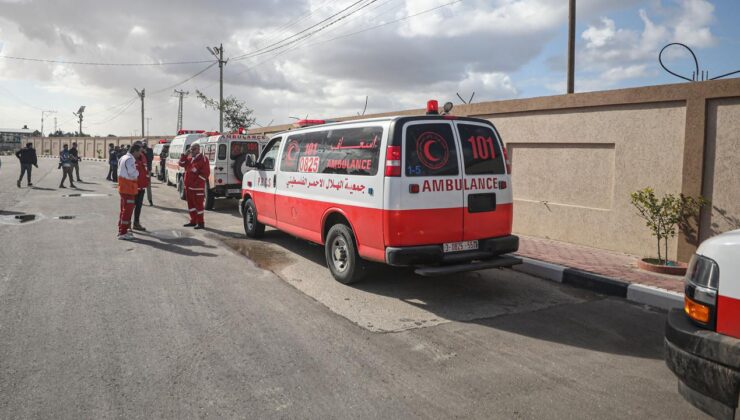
(460, 246)
(234, 191)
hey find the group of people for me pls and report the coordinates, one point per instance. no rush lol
(130, 166)
(133, 170)
(69, 163)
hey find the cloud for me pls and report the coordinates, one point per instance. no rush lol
(474, 45)
(612, 54)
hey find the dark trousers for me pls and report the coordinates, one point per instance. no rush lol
(67, 171)
(112, 173)
(139, 203)
(76, 167)
(25, 169)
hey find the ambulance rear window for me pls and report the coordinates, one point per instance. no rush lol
(239, 148)
(430, 150)
(481, 150)
(349, 151)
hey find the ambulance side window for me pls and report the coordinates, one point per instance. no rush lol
(270, 155)
(221, 152)
(430, 150)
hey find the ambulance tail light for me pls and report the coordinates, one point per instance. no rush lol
(393, 161)
(700, 301)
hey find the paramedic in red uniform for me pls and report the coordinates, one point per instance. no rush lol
(197, 170)
(128, 187)
(143, 183)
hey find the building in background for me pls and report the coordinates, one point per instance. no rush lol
(13, 138)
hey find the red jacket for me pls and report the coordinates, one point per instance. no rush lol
(197, 170)
(143, 180)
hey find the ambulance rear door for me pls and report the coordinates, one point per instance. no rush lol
(487, 209)
(430, 210)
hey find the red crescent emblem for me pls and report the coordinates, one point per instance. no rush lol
(426, 144)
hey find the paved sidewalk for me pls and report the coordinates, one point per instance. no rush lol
(605, 263)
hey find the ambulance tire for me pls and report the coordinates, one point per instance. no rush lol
(210, 198)
(252, 228)
(180, 188)
(342, 258)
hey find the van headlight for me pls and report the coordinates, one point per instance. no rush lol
(702, 280)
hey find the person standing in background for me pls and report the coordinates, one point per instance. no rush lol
(112, 163)
(65, 163)
(149, 153)
(75, 160)
(128, 186)
(28, 159)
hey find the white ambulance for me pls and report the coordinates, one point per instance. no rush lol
(227, 155)
(173, 174)
(433, 192)
(702, 341)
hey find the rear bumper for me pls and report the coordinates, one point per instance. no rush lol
(433, 254)
(223, 190)
(707, 365)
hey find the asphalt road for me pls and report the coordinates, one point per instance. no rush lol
(180, 324)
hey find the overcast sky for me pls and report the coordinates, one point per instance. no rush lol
(496, 48)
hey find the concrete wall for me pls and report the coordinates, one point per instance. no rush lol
(576, 158)
(89, 147)
(573, 170)
(722, 168)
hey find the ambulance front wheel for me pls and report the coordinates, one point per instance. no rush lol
(252, 227)
(341, 255)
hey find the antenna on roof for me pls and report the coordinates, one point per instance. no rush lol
(365, 108)
(463, 100)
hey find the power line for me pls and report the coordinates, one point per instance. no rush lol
(350, 34)
(92, 63)
(166, 89)
(276, 46)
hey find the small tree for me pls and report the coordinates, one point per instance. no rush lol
(236, 113)
(664, 215)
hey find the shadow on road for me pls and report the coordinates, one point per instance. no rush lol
(43, 189)
(170, 247)
(565, 314)
(10, 213)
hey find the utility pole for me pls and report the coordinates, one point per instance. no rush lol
(55, 125)
(78, 114)
(141, 94)
(180, 93)
(571, 45)
(43, 113)
(147, 126)
(218, 52)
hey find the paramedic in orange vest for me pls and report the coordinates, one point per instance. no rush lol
(197, 170)
(128, 187)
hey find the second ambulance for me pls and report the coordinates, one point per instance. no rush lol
(432, 192)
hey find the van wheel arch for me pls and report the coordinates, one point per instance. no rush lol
(331, 218)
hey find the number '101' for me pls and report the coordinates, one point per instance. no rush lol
(482, 147)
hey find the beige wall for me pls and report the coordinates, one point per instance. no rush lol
(89, 147)
(573, 170)
(722, 169)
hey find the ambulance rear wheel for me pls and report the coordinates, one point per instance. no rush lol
(252, 227)
(210, 198)
(181, 188)
(341, 255)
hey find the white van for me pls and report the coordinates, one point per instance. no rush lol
(227, 154)
(432, 192)
(173, 174)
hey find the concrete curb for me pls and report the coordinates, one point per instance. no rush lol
(634, 292)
